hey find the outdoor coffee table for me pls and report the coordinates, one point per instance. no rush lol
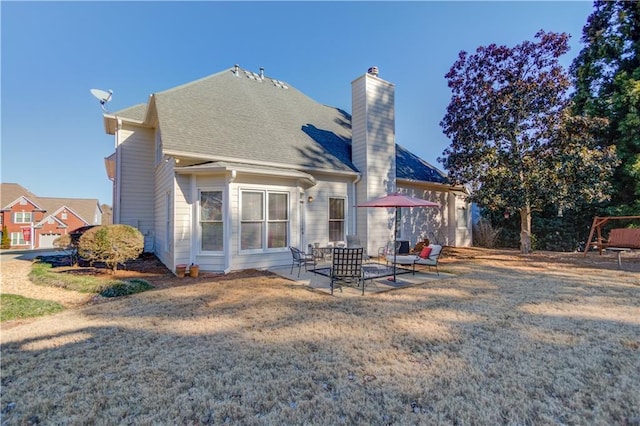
(371, 271)
(619, 251)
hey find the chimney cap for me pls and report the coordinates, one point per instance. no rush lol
(373, 71)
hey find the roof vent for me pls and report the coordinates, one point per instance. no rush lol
(236, 70)
(262, 73)
(373, 71)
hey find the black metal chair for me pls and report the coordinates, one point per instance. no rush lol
(300, 258)
(353, 241)
(346, 267)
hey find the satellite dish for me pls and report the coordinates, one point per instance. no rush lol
(102, 96)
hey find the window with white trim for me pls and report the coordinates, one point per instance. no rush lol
(63, 215)
(17, 239)
(22, 217)
(264, 224)
(211, 224)
(278, 220)
(336, 219)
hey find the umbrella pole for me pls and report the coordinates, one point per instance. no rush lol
(395, 244)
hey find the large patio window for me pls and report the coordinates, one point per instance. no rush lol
(264, 225)
(211, 224)
(336, 219)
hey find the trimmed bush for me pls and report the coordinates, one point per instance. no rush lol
(111, 244)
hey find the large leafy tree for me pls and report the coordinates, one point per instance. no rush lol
(513, 140)
(606, 76)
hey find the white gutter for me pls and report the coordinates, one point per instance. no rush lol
(183, 154)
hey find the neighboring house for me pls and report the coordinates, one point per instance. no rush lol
(35, 222)
(228, 171)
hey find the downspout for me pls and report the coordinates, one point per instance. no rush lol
(194, 219)
(118, 182)
(302, 216)
(227, 222)
(354, 227)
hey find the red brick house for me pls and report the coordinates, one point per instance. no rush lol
(35, 222)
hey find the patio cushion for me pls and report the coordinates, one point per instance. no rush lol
(402, 259)
(435, 251)
(425, 252)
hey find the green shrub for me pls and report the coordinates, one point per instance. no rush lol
(111, 244)
(124, 288)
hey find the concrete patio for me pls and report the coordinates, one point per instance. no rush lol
(321, 283)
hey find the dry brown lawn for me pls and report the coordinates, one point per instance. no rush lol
(542, 339)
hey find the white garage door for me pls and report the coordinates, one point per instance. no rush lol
(46, 240)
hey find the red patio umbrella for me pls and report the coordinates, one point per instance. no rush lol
(394, 201)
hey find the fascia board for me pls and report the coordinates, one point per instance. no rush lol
(188, 155)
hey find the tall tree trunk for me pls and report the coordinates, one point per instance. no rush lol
(525, 229)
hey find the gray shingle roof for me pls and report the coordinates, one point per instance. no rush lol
(239, 117)
(86, 208)
(411, 167)
(10, 192)
(136, 112)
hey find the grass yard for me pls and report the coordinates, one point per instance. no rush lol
(508, 340)
(13, 306)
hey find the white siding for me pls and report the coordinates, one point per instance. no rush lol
(317, 213)
(437, 224)
(164, 192)
(136, 178)
(430, 222)
(182, 220)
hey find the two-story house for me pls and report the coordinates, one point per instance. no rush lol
(229, 170)
(35, 222)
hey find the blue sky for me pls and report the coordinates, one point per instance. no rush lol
(53, 53)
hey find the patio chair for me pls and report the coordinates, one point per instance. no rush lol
(300, 258)
(353, 241)
(346, 267)
(384, 252)
(428, 257)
